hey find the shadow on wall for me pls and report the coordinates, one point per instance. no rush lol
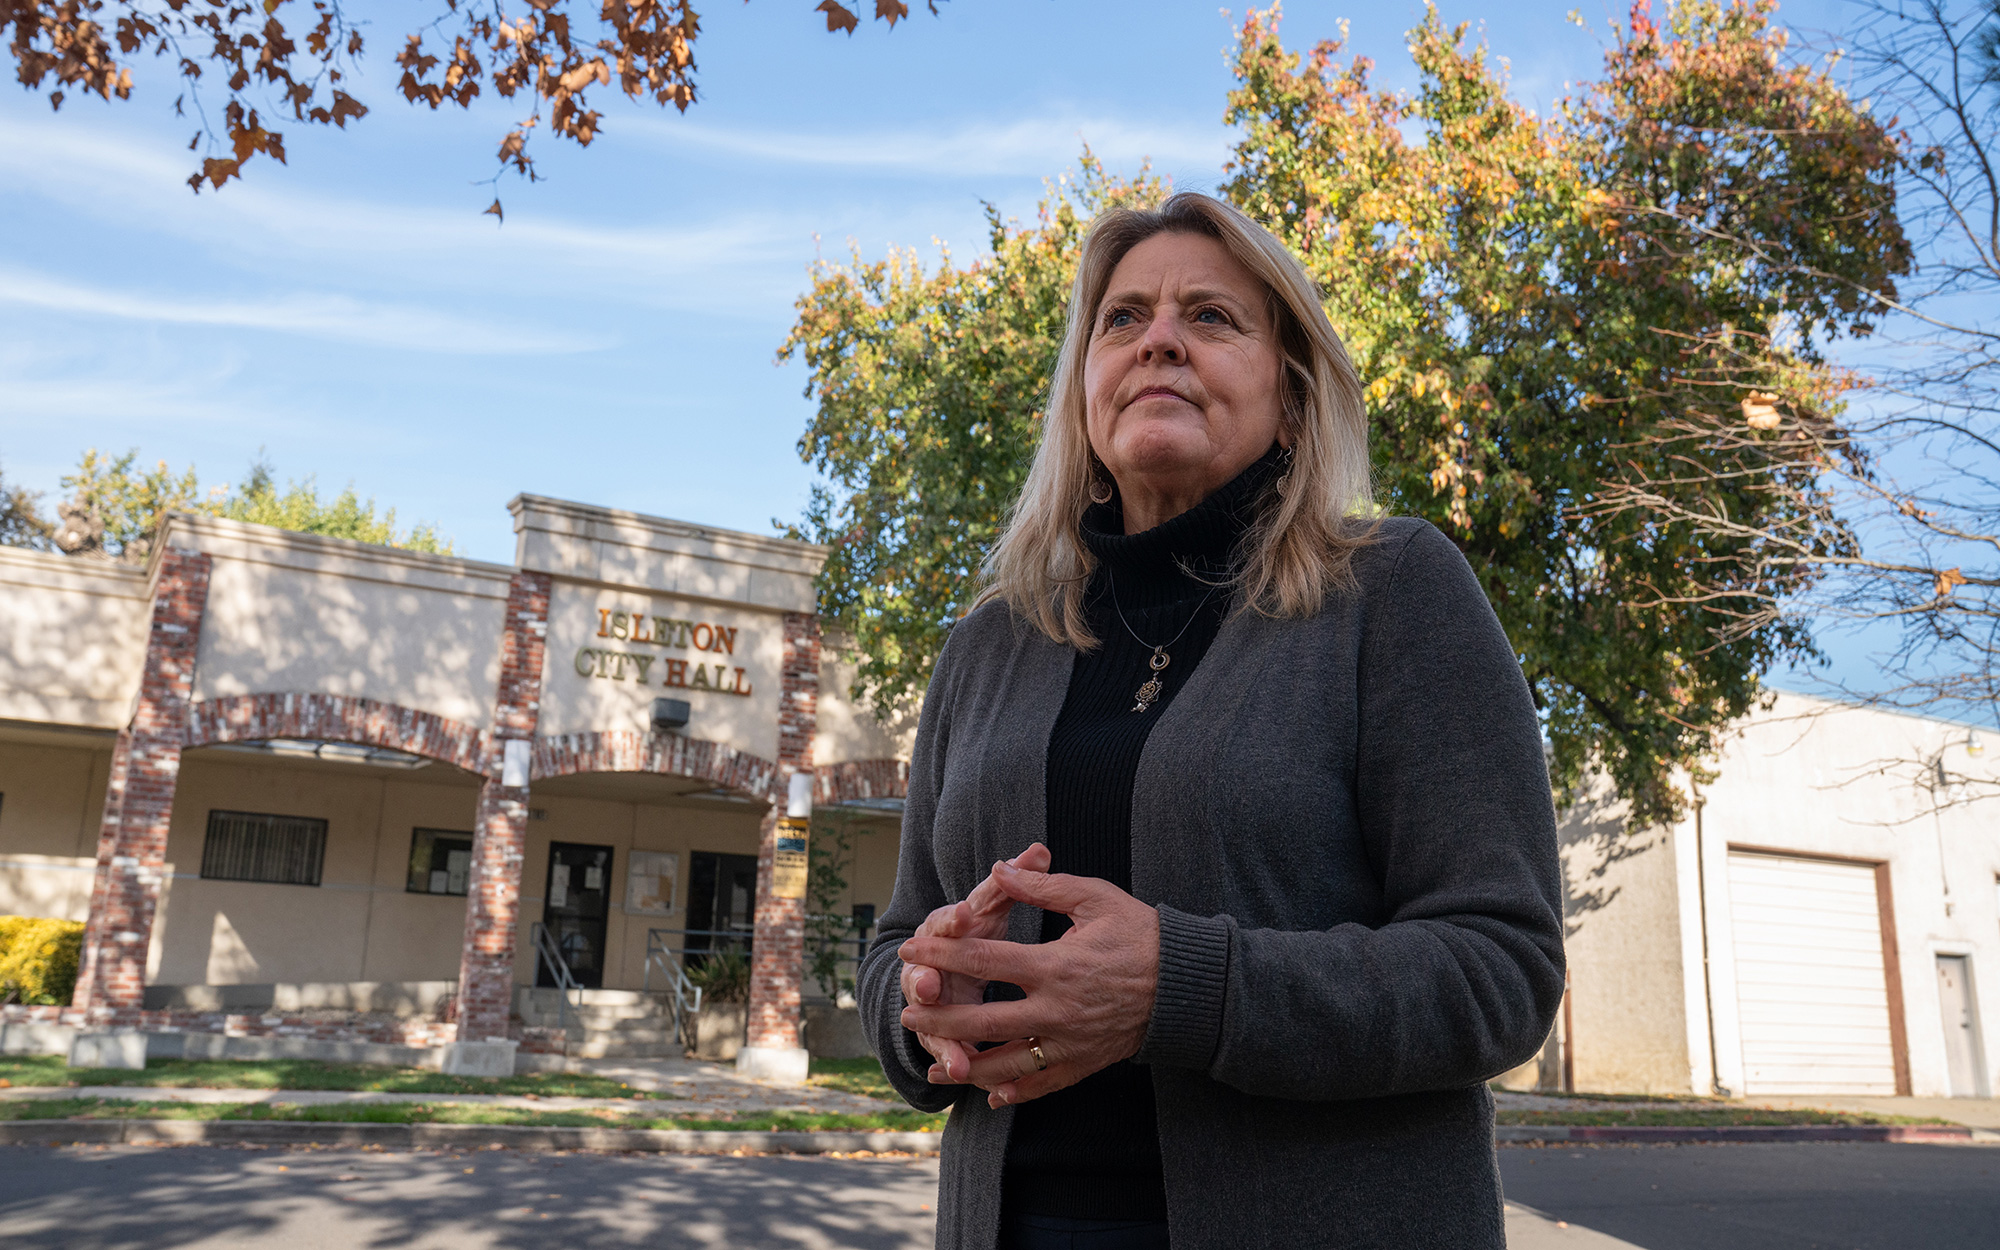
(1593, 837)
(288, 629)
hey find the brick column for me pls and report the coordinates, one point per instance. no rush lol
(139, 801)
(778, 952)
(500, 830)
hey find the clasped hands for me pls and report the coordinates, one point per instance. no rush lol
(1089, 994)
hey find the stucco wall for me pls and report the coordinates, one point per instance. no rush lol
(357, 925)
(296, 612)
(1817, 778)
(580, 542)
(1626, 1015)
(51, 798)
(849, 728)
(586, 685)
(72, 638)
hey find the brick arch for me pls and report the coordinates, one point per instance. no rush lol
(628, 751)
(850, 780)
(339, 718)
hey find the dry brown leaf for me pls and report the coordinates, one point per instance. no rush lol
(837, 16)
(1760, 411)
(1948, 581)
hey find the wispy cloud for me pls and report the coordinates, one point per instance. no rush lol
(1036, 147)
(324, 316)
(131, 184)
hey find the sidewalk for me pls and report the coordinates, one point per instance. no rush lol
(697, 1089)
(1980, 1113)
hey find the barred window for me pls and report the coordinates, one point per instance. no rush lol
(253, 846)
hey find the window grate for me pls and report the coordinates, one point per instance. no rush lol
(253, 846)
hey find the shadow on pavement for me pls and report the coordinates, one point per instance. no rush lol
(141, 1198)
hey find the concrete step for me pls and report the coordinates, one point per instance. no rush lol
(614, 1049)
(635, 1036)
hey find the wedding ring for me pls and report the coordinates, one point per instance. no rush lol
(1035, 1050)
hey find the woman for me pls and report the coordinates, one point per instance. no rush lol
(1228, 866)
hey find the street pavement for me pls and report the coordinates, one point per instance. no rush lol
(208, 1198)
(1735, 1197)
(1803, 1196)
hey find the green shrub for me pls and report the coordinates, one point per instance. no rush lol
(38, 958)
(724, 977)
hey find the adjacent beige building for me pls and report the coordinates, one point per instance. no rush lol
(1825, 920)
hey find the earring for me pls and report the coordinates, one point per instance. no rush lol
(1284, 478)
(1100, 490)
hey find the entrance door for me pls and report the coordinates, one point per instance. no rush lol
(574, 909)
(1811, 984)
(1961, 1026)
(722, 901)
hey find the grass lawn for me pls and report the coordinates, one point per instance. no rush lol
(22, 1070)
(853, 1076)
(454, 1113)
(1697, 1116)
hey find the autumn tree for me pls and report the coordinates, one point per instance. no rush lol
(930, 387)
(1532, 301)
(1913, 472)
(247, 68)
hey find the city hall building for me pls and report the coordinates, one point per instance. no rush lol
(314, 793)
(311, 788)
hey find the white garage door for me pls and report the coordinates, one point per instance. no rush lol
(1809, 977)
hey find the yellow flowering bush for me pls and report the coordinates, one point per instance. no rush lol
(38, 958)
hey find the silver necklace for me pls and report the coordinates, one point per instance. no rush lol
(1149, 693)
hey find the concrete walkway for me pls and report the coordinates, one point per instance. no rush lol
(693, 1088)
(1971, 1112)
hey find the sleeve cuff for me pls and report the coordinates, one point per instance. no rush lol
(1187, 1003)
(906, 1045)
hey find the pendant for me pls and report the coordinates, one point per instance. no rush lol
(1149, 694)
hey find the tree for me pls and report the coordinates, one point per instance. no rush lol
(1914, 475)
(1532, 302)
(115, 511)
(930, 386)
(1541, 304)
(21, 520)
(293, 61)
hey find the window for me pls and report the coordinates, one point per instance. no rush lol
(252, 846)
(440, 861)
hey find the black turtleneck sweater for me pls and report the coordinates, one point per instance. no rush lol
(1092, 1151)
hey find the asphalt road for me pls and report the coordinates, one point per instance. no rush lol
(1780, 1197)
(207, 1198)
(1845, 1196)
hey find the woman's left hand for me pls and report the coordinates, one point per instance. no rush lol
(1089, 993)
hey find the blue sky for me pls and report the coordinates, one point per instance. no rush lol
(614, 340)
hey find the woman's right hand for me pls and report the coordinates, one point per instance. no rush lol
(983, 914)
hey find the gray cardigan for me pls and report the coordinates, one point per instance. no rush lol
(1345, 823)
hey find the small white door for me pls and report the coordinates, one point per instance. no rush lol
(1811, 987)
(1961, 1026)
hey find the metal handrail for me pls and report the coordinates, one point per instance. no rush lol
(685, 995)
(550, 956)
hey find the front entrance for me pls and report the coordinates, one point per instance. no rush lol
(574, 909)
(722, 902)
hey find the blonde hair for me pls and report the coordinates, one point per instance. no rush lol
(1297, 552)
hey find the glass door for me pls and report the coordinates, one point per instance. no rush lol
(575, 907)
(722, 902)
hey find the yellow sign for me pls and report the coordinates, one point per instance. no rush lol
(789, 861)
